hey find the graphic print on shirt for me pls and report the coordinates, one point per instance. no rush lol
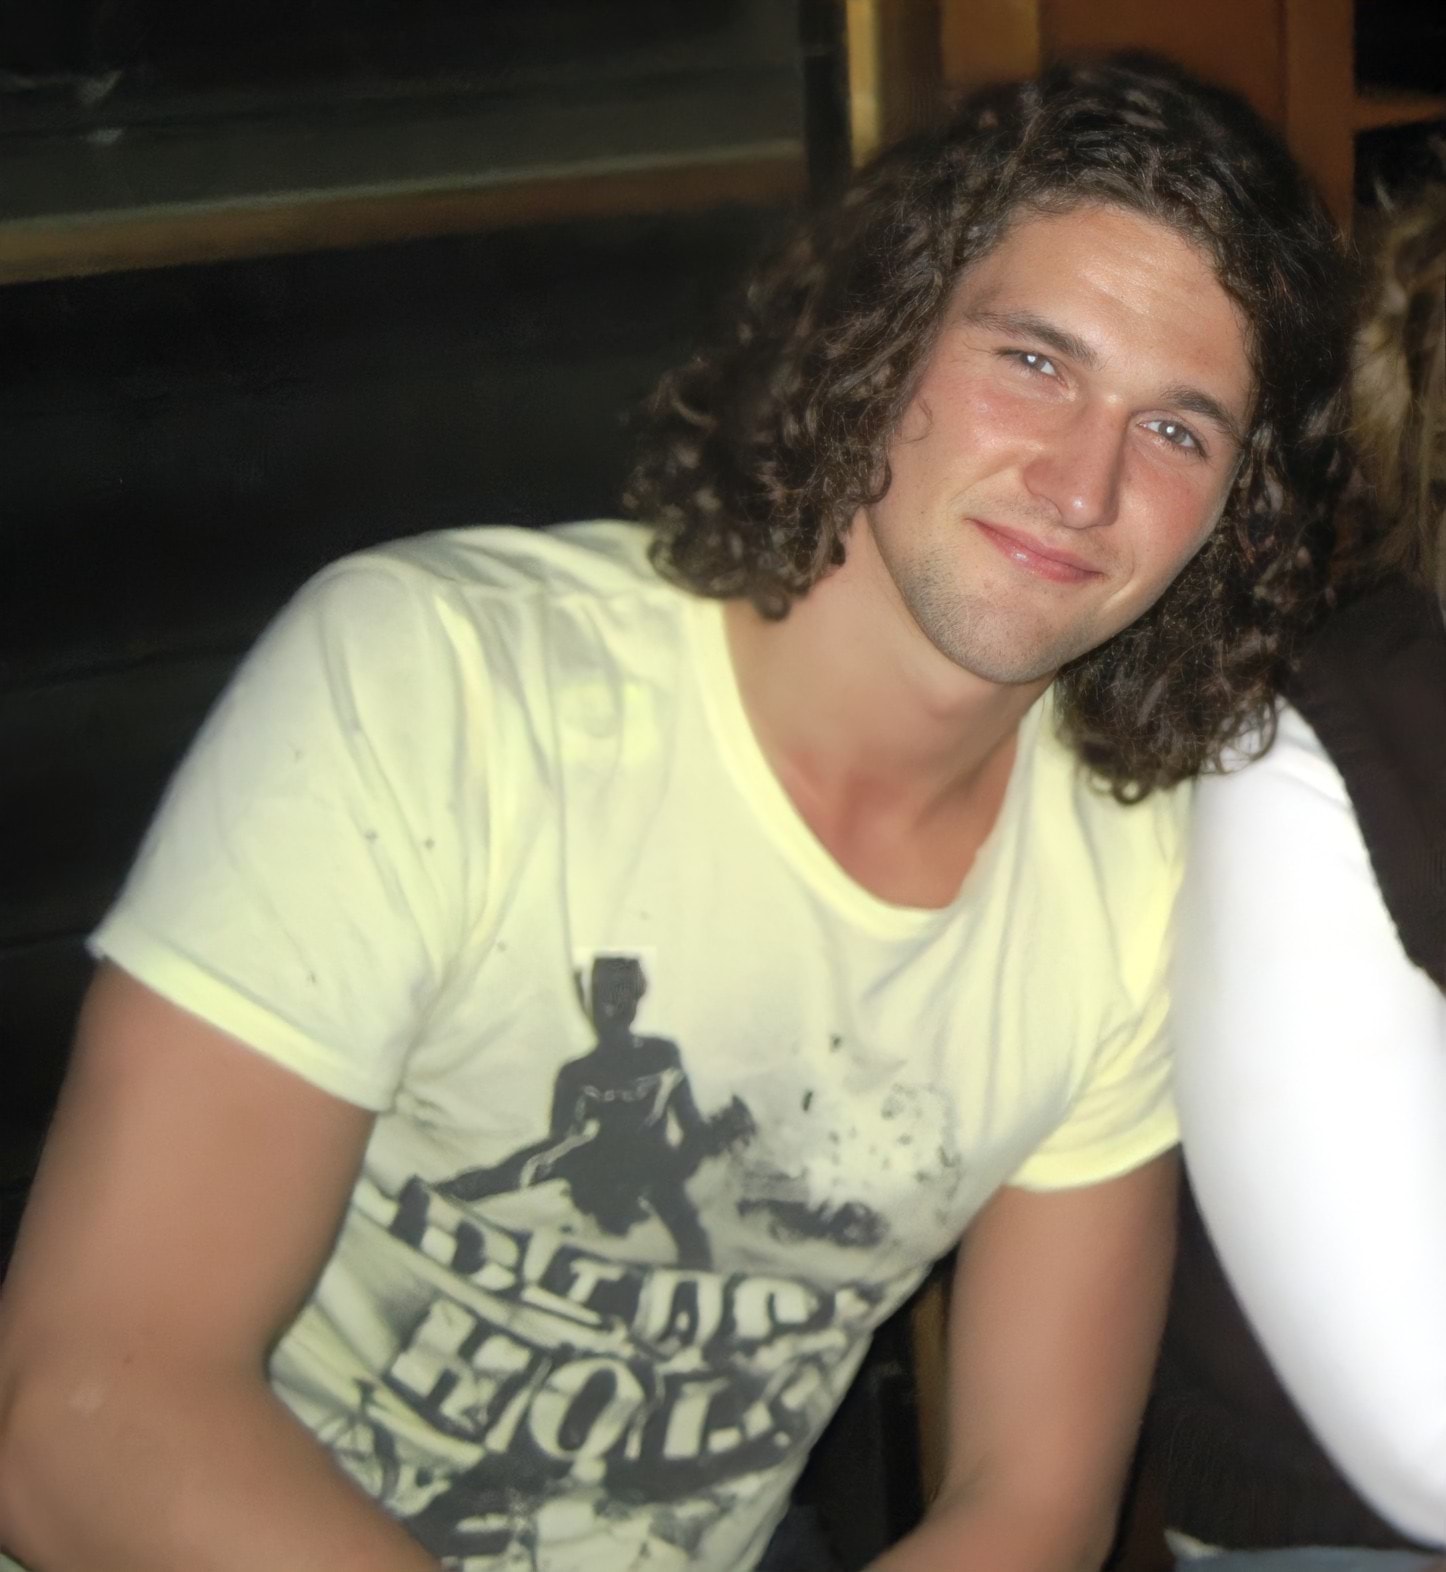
(626, 1134)
(551, 1392)
(550, 1403)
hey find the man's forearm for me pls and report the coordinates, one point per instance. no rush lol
(963, 1535)
(180, 1473)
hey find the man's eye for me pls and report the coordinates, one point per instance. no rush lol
(1176, 434)
(1032, 360)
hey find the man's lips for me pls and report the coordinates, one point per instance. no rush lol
(1047, 561)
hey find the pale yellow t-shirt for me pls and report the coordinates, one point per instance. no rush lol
(671, 1113)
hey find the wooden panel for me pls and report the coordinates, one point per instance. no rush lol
(893, 70)
(167, 236)
(1237, 43)
(989, 41)
(868, 86)
(1292, 59)
(1377, 108)
(1320, 96)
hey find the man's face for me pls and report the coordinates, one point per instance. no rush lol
(1070, 446)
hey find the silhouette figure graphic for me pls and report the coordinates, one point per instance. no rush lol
(626, 1134)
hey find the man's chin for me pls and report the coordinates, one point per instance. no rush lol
(1015, 665)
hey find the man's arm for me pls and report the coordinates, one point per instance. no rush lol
(189, 1194)
(1058, 1303)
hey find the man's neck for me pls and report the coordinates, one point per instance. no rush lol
(896, 758)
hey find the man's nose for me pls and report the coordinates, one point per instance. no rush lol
(1079, 466)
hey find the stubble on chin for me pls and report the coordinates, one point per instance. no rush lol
(1002, 644)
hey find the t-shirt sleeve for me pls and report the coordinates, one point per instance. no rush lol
(1123, 1116)
(320, 851)
(1121, 1109)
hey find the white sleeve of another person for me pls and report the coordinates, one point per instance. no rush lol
(1312, 1099)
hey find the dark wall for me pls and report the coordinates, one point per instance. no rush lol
(180, 449)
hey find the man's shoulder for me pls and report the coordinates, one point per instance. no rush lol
(1068, 790)
(487, 592)
(601, 559)
(492, 609)
(1128, 857)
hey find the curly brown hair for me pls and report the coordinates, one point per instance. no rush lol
(1398, 403)
(760, 452)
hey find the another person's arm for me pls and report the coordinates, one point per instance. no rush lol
(1312, 1089)
(1057, 1308)
(188, 1197)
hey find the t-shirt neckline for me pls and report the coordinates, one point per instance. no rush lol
(765, 795)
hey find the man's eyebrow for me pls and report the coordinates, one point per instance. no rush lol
(1027, 324)
(1195, 401)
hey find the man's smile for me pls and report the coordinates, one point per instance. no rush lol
(1036, 556)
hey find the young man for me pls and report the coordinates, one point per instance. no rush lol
(556, 1017)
